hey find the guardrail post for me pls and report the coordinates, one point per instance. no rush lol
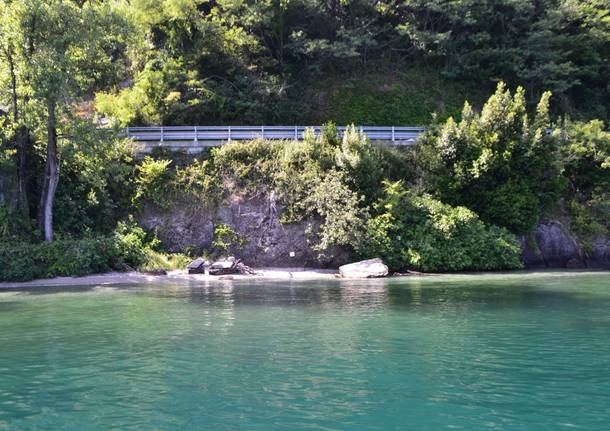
(263, 131)
(296, 133)
(162, 135)
(195, 138)
(229, 134)
(127, 131)
(393, 138)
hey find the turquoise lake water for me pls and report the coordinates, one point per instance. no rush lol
(484, 352)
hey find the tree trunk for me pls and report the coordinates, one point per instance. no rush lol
(24, 168)
(21, 139)
(52, 175)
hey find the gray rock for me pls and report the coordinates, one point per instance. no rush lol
(225, 266)
(180, 227)
(551, 246)
(197, 266)
(371, 268)
(599, 256)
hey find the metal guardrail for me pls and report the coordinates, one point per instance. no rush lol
(195, 138)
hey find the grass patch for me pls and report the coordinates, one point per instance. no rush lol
(388, 96)
(154, 260)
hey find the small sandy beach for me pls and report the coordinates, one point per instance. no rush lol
(173, 276)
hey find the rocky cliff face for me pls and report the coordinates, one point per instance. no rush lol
(551, 245)
(267, 242)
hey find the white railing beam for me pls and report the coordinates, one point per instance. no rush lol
(199, 136)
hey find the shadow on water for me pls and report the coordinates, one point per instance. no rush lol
(490, 291)
(48, 290)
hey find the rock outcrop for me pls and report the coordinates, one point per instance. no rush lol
(551, 245)
(267, 242)
(371, 268)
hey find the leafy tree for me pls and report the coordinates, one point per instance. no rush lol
(585, 156)
(498, 163)
(59, 51)
(557, 45)
(237, 61)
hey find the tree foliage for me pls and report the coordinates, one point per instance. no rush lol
(500, 163)
(585, 156)
(234, 61)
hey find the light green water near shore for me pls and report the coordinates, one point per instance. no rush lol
(484, 352)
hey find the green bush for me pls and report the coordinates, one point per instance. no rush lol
(421, 233)
(498, 163)
(27, 261)
(154, 181)
(226, 239)
(96, 185)
(13, 226)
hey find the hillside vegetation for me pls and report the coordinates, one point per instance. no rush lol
(486, 172)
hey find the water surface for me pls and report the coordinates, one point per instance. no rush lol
(485, 352)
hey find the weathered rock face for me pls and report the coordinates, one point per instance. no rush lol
(179, 228)
(267, 242)
(551, 245)
(371, 268)
(599, 257)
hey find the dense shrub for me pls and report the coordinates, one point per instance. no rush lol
(246, 167)
(153, 181)
(23, 261)
(27, 261)
(498, 163)
(13, 227)
(411, 232)
(226, 239)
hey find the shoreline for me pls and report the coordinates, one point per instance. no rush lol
(276, 274)
(134, 277)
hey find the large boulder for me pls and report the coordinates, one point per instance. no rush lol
(371, 268)
(551, 245)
